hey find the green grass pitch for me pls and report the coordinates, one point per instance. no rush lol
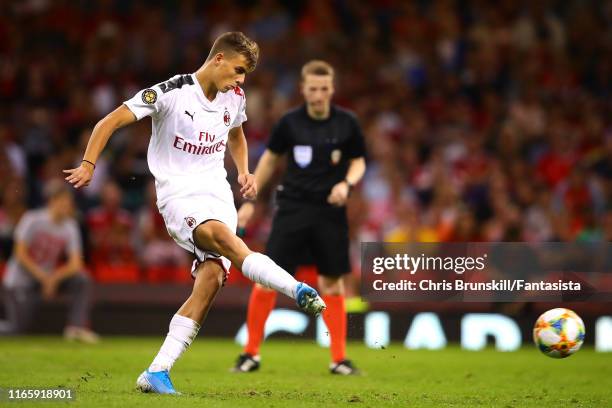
(294, 373)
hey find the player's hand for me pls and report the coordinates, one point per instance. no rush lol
(49, 287)
(249, 187)
(81, 176)
(339, 194)
(245, 213)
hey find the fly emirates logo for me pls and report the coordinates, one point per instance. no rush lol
(200, 149)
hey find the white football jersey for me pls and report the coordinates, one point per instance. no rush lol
(189, 135)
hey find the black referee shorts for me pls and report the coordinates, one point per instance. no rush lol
(308, 234)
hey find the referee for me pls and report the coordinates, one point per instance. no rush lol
(325, 149)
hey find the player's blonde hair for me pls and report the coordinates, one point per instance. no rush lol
(317, 67)
(236, 42)
(55, 188)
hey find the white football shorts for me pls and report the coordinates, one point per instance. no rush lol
(183, 214)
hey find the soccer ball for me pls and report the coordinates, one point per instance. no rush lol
(559, 333)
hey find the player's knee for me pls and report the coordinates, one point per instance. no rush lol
(212, 276)
(78, 283)
(263, 288)
(218, 275)
(82, 279)
(331, 285)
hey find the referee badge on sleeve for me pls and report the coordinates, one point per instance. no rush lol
(302, 155)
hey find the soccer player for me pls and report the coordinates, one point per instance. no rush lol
(194, 118)
(325, 150)
(44, 237)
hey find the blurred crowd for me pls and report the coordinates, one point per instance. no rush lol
(485, 121)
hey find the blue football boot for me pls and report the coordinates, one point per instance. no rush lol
(309, 300)
(158, 382)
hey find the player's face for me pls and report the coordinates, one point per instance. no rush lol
(318, 91)
(62, 205)
(231, 71)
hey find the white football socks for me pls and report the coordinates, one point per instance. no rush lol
(261, 269)
(182, 332)
(258, 268)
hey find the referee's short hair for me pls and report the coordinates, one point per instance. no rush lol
(317, 67)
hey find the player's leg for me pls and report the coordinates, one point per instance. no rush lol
(214, 236)
(331, 252)
(78, 287)
(21, 305)
(284, 245)
(9, 325)
(261, 303)
(184, 327)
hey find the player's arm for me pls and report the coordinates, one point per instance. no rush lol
(340, 192)
(120, 117)
(237, 144)
(24, 258)
(73, 266)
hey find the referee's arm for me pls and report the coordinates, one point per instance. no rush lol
(266, 167)
(356, 170)
(340, 192)
(263, 172)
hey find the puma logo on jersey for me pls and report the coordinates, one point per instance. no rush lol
(191, 115)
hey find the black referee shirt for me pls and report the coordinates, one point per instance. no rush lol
(318, 152)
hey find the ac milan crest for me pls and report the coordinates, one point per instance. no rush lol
(190, 221)
(226, 118)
